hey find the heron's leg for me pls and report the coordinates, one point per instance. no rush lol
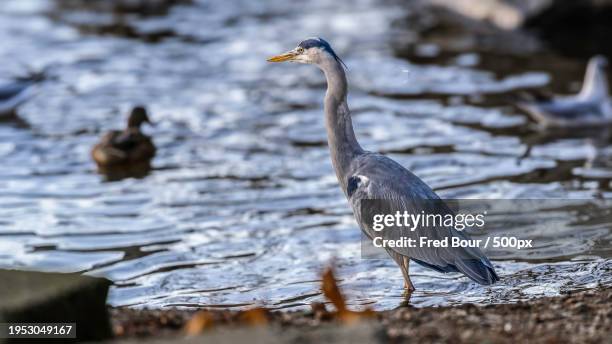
(407, 282)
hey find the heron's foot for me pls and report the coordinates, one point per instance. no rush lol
(409, 289)
(408, 286)
(407, 294)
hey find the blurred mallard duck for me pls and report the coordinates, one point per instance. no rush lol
(128, 146)
(591, 107)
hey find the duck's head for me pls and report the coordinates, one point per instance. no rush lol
(312, 50)
(137, 117)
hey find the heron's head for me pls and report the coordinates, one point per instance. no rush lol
(312, 50)
(137, 117)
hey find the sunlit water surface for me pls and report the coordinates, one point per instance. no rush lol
(242, 206)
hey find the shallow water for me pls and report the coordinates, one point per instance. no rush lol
(242, 206)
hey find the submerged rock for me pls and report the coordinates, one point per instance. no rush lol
(506, 14)
(513, 14)
(445, 24)
(577, 28)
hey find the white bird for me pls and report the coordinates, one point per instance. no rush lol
(591, 107)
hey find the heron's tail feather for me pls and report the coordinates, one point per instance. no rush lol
(477, 270)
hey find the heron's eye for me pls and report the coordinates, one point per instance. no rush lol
(300, 50)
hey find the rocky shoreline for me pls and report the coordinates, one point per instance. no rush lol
(577, 317)
(581, 317)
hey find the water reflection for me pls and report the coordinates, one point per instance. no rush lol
(115, 173)
(241, 205)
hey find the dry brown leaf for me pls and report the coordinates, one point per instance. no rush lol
(254, 317)
(331, 291)
(119, 330)
(350, 317)
(200, 321)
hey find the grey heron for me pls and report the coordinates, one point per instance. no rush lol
(368, 175)
(592, 106)
(128, 146)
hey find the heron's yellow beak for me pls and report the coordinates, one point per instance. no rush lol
(288, 56)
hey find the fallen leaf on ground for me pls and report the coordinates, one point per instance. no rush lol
(200, 321)
(254, 317)
(332, 293)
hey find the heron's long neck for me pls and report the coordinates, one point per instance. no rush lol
(340, 135)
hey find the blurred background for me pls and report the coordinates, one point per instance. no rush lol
(241, 205)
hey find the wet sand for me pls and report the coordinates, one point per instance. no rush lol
(579, 317)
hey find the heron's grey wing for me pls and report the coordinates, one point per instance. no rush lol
(377, 177)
